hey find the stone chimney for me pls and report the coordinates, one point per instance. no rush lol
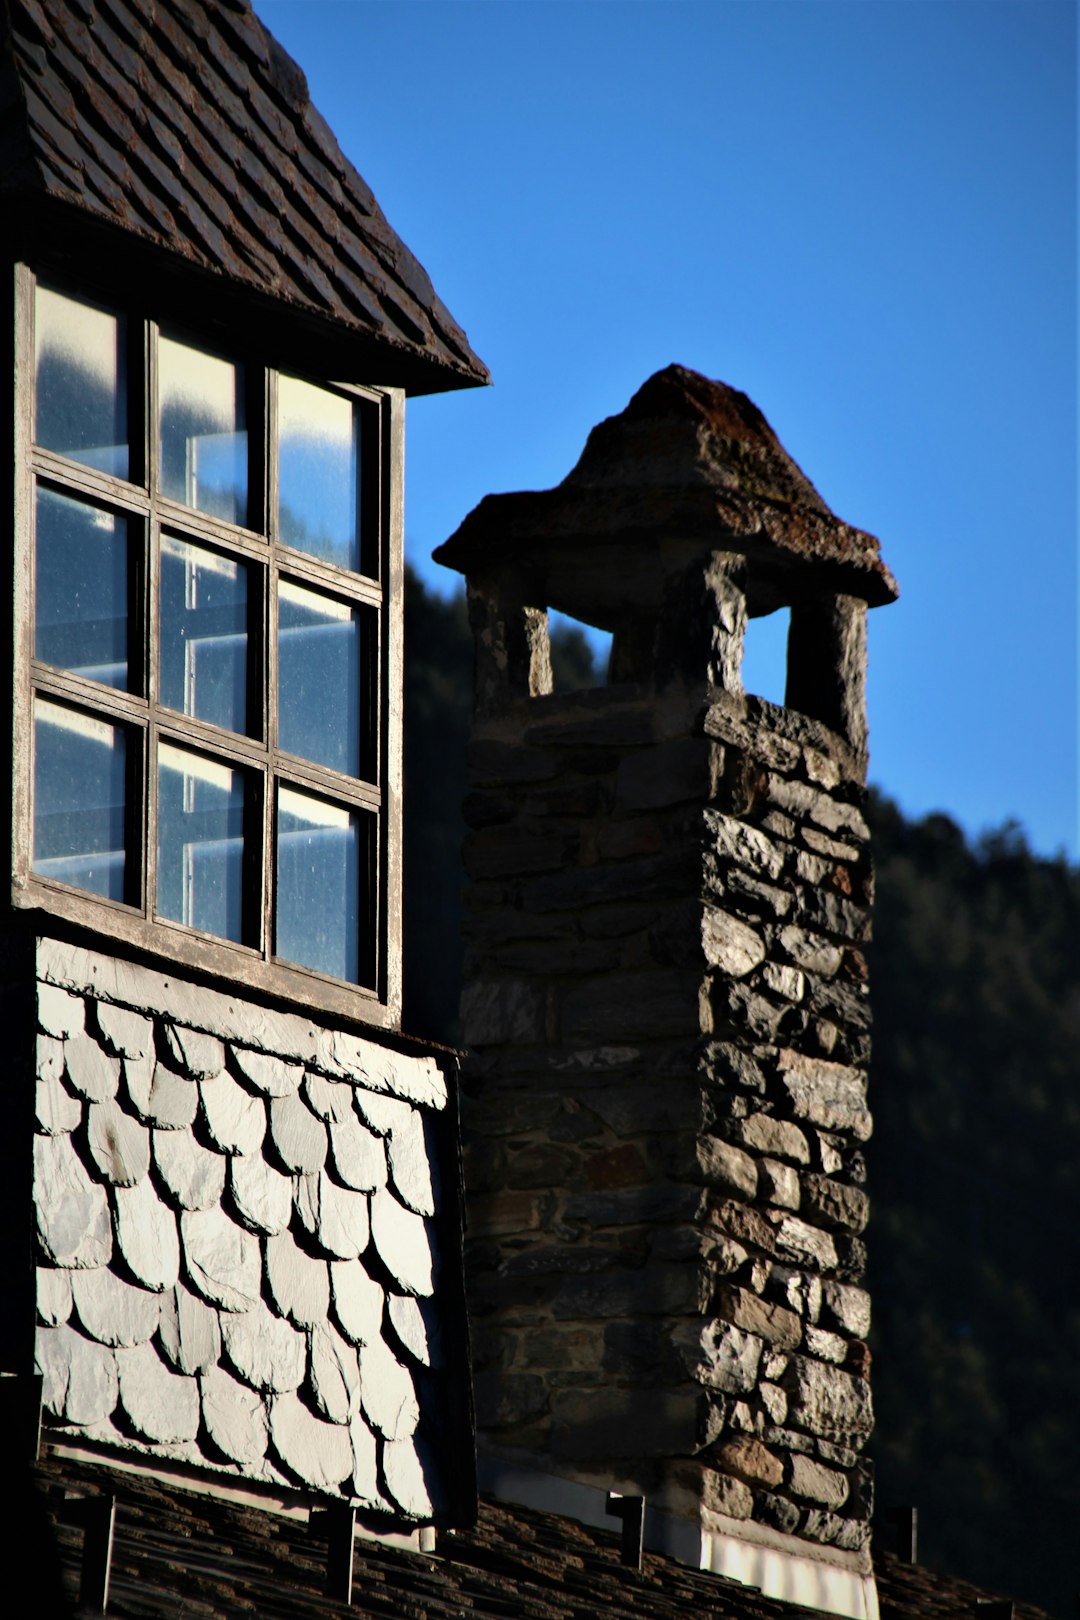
(666, 1000)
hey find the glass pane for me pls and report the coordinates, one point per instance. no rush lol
(81, 588)
(319, 472)
(319, 678)
(318, 884)
(81, 372)
(203, 617)
(200, 842)
(79, 799)
(203, 443)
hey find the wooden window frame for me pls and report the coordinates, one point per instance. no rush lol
(378, 594)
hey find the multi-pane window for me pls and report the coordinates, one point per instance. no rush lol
(208, 549)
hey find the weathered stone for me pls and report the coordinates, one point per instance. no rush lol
(331, 1100)
(365, 1474)
(747, 1459)
(299, 1284)
(719, 1355)
(358, 1301)
(273, 1076)
(161, 1404)
(815, 955)
(734, 841)
(235, 1416)
(726, 1167)
(827, 1401)
(58, 1112)
(358, 1155)
(729, 943)
(773, 1323)
(111, 1310)
(146, 1236)
(266, 1352)
(410, 1164)
(195, 1175)
(199, 1056)
(774, 1400)
(386, 1392)
(800, 1241)
(826, 1346)
(786, 982)
(189, 1332)
(54, 1296)
(407, 1478)
(263, 1196)
(751, 894)
(411, 1328)
(79, 1376)
(126, 1034)
(336, 1217)
(835, 1203)
(221, 1259)
(235, 1120)
(826, 1094)
(493, 1013)
(403, 1243)
(59, 1013)
(72, 1211)
(818, 1484)
(837, 817)
(848, 1308)
(298, 1136)
(119, 1145)
(90, 1070)
(318, 1453)
(334, 1373)
(778, 1184)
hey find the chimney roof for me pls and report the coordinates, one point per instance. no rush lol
(689, 464)
(185, 124)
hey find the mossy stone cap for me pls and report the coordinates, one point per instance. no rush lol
(689, 466)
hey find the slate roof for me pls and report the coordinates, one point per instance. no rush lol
(179, 1554)
(185, 124)
(688, 462)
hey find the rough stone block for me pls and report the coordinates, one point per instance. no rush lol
(747, 1459)
(730, 945)
(826, 1094)
(773, 1323)
(797, 1240)
(726, 1168)
(732, 840)
(810, 952)
(834, 1203)
(786, 982)
(826, 1346)
(778, 1184)
(847, 1308)
(827, 1401)
(720, 1355)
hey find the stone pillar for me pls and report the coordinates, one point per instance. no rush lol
(665, 1108)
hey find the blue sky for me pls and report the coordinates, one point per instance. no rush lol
(861, 212)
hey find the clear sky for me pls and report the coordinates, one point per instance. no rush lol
(861, 212)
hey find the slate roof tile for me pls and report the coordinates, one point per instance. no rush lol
(184, 122)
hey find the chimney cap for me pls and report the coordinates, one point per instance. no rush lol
(690, 465)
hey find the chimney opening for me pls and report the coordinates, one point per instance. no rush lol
(580, 653)
(765, 652)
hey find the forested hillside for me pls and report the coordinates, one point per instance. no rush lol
(975, 1162)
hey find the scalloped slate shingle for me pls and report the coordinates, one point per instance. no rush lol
(186, 124)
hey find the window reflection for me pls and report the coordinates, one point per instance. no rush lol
(318, 884)
(81, 382)
(319, 678)
(203, 431)
(200, 842)
(81, 588)
(203, 614)
(79, 799)
(319, 472)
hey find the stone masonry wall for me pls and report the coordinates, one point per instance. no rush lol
(665, 1110)
(239, 1226)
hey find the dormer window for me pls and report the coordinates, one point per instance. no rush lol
(206, 556)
